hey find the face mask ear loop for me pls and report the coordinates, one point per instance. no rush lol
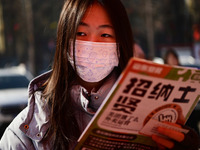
(74, 58)
(118, 51)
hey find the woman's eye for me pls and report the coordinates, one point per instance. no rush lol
(106, 35)
(80, 34)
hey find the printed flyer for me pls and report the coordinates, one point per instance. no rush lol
(145, 95)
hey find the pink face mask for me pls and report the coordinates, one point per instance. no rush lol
(94, 60)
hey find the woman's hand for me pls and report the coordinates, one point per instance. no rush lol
(176, 140)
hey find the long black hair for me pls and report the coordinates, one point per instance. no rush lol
(64, 128)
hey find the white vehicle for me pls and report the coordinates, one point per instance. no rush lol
(13, 93)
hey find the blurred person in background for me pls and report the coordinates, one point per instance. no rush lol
(171, 57)
(138, 51)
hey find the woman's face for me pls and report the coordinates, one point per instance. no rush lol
(96, 26)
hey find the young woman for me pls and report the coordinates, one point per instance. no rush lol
(94, 44)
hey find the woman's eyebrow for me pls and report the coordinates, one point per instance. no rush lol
(83, 24)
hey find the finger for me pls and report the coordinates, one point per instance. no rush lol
(166, 143)
(181, 119)
(160, 147)
(175, 135)
(173, 124)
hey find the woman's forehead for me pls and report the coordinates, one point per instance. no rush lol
(96, 15)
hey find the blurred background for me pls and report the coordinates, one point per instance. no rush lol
(28, 38)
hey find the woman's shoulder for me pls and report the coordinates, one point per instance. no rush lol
(29, 126)
(32, 123)
(38, 82)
